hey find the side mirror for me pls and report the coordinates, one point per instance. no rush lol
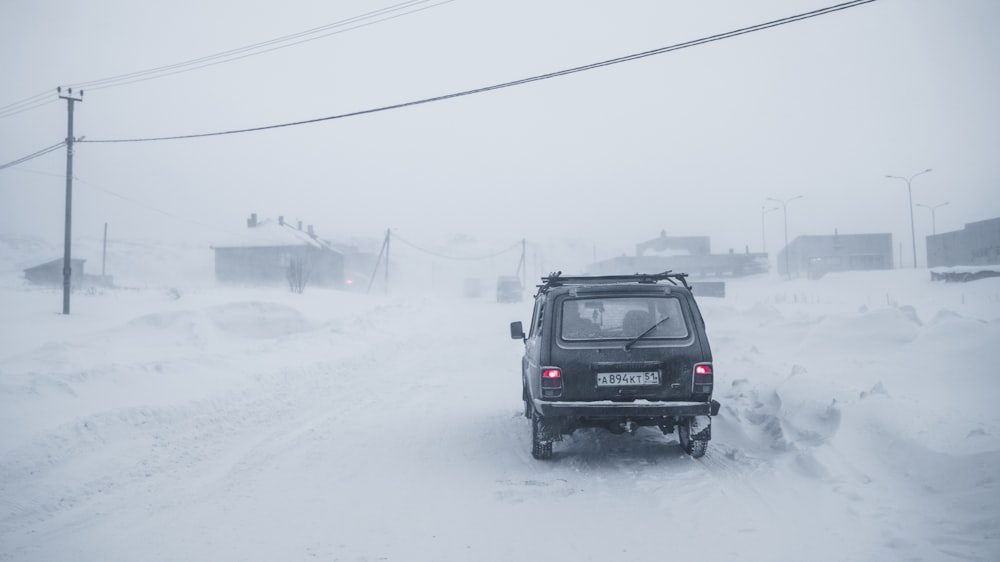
(516, 331)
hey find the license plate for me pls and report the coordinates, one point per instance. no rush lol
(638, 378)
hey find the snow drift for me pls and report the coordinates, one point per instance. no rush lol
(202, 422)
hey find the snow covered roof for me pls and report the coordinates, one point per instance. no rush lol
(54, 264)
(269, 234)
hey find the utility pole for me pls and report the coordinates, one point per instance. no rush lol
(384, 251)
(67, 258)
(763, 240)
(522, 270)
(909, 192)
(784, 207)
(104, 251)
(933, 208)
(388, 235)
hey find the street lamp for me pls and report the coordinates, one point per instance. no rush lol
(784, 207)
(909, 191)
(763, 211)
(933, 208)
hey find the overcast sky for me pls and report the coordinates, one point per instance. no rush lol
(691, 142)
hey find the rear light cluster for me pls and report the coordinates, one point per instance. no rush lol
(704, 377)
(552, 385)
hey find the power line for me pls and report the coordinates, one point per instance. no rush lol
(33, 155)
(456, 258)
(32, 102)
(157, 210)
(40, 172)
(28, 107)
(609, 62)
(341, 26)
(27, 100)
(257, 48)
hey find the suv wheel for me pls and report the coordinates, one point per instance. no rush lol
(540, 449)
(528, 410)
(694, 447)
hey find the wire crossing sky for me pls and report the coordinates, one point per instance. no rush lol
(33, 155)
(341, 26)
(592, 66)
(587, 167)
(455, 258)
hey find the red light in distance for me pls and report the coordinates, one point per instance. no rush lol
(551, 374)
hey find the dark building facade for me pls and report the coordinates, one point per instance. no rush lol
(51, 272)
(814, 256)
(685, 254)
(976, 244)
(269, 250)
(691, 245)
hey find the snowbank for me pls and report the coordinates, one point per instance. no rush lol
(166, 423)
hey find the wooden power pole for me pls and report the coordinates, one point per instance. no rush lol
(67, 259)
(384, 251)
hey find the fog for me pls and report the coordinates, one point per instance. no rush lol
(175, 417)
(212, 422)
(692, 142)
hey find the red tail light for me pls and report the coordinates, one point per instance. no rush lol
(552, 385)
(703, 378)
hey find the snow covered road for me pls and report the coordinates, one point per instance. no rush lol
(254, 425)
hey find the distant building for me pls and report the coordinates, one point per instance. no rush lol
(976, 244)
(816, 255)
(268, 250)
(678, 245)
(50, 273)
(683, 254)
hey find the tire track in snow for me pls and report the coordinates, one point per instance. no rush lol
(139, 451)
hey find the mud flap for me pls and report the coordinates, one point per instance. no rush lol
(549, 429)
(701, 428)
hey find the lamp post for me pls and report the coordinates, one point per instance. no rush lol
(763, 211)
(909, 191)
(933, 219)
(784, 208)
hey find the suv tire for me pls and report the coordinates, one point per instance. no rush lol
(540, 449)
(694, 447)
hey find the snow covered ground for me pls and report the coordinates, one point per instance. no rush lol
(169, 422)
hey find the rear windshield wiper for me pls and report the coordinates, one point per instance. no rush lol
(629, 345)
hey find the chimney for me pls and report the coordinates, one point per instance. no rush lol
(252, 221)
(281, 221)
(312, 232)
(300, 225)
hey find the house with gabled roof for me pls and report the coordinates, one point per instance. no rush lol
(50, 273)
(266, 252)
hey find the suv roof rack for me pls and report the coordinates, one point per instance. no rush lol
(557, 279)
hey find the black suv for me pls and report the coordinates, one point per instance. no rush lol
(616, 352)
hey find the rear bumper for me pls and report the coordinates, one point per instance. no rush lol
(612, 410)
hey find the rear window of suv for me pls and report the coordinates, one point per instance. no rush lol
(622, 317)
